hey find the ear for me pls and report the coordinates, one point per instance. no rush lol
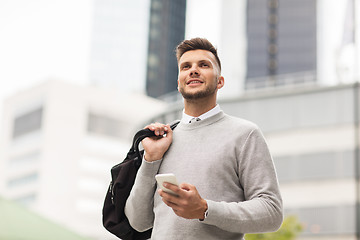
(221, 82)
(178, 85)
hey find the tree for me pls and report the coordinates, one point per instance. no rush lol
(289, 230)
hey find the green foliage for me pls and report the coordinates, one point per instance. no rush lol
(289, 230)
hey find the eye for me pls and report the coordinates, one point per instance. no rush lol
(185, 67)
(204, 65)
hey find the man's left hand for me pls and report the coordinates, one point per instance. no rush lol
(188, 202)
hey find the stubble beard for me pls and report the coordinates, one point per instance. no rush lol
(199, 94)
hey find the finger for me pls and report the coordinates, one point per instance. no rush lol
(175, 208)
(168, 130)
(171, 197)
(151, 127)
(173, 188)
(158, 128)
(168, 198)
(165, 129)
(170, 204)
(155, 127)
(148, 127)
(187, 187)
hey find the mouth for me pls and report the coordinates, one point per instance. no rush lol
(194, 81)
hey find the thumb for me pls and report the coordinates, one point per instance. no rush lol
(169, 132)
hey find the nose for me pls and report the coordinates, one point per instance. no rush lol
(194, 71)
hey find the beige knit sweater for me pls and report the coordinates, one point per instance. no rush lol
(228, 161)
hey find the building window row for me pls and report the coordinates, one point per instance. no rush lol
(104, 125)
(23, 180)
(327, 220)
(315, 166)
(27, 123)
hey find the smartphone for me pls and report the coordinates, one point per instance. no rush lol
(167, 177)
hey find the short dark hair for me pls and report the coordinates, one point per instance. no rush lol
(195, 44)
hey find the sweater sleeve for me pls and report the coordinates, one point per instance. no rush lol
(262, 209)
(140, 203)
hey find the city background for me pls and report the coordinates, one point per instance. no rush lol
(79, 77)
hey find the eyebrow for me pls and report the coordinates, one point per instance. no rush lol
(200, 61)
(205, 61)
(184, 63)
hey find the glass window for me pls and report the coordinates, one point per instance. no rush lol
(281, 40)
(27, 123)
(104, 125)
(326, 220)
(23, 180)
(316, 166)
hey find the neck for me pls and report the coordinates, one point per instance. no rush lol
(197, 107)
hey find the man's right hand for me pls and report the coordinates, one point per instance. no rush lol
(155, 147)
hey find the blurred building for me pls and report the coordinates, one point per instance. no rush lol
(270, 43)
(133, 44)
(275, 43)
(119, 40)
(313, 135)
(277, 31)
(167, 30)
(59, 142)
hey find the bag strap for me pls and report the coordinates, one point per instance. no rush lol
(140, 135)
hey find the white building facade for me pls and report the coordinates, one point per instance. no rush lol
(313, 136)
(59, 144)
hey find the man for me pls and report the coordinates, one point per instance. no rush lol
(228, 181)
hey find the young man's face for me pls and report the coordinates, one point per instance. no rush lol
(199, 75)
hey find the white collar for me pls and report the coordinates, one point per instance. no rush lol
(186, 118)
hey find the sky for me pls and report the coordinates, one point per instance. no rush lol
(42, 39)
(50, 39)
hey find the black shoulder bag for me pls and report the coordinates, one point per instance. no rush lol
(122, 179)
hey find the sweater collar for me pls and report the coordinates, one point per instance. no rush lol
(202, 123)
(186, 118)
